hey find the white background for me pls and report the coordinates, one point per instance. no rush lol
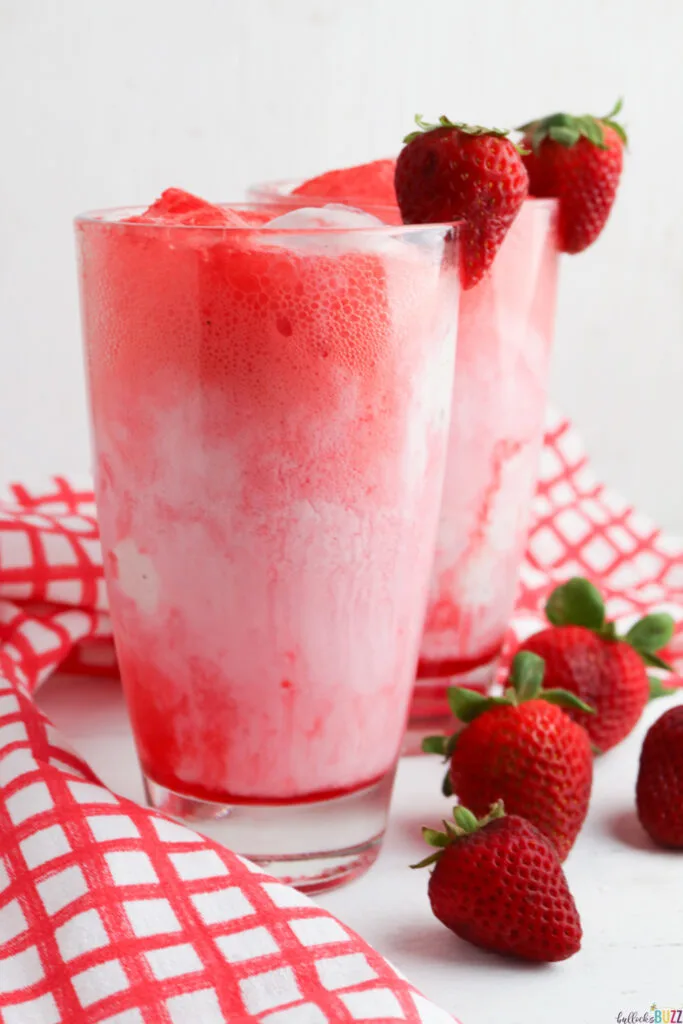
(107, 103)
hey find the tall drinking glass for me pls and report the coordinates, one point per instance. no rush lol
(270, 416)
(499, 402)
(500, 392)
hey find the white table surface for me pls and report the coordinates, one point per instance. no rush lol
(629, 894)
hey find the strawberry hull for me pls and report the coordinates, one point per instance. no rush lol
(270, 421)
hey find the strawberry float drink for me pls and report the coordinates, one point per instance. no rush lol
(511, 241)
(500, 395)
(504, 342)
(270, 407)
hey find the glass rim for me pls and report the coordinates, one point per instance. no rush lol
(263, 189)
(112, 217)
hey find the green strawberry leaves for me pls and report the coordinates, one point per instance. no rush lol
(567, 129)
(464, 823)
(526, 683)
(565, 699)
(445, 122)
(467, 705)
(434, 745)
(618, 128)
(659, 689)
(651, 633)
(465, 820)
(526, 680)
(468, 129)
(654, 661)
(434, 838)
(443, 745)
(432, 858)
(578, 603)
(526, 675)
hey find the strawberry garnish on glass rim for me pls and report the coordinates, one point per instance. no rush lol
(445, 122)
(567, 129)
(452, 171)
(577, 160)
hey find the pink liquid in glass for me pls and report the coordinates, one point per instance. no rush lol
(505, 339)
(270, 417)
(500, 395)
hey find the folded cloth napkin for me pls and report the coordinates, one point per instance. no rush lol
(112, 913)
(581, 528)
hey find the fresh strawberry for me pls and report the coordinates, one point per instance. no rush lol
(584, 655)
(578, 160)
(449, 172)
(659, 790)
(521, 748)
(499, 884)
(365, 183)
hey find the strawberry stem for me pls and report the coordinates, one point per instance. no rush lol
(526, 675)
(434, 745)
(467, 705)
(659, 689)
(567, 129)
(526, 683)
(464, 823)
(468, 129)
(465, 820)
(578, 603)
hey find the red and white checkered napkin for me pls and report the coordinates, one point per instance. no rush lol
(581, 528)
(112, 913)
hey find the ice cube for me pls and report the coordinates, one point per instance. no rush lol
(327, 230)
(332, 215)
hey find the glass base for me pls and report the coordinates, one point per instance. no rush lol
(313, 846)
(430, 714)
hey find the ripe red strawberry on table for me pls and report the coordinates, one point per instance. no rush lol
(577, 160)
(521, 748)
(584, 655)
(449, 171)
(659, 789)
(499, 884)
